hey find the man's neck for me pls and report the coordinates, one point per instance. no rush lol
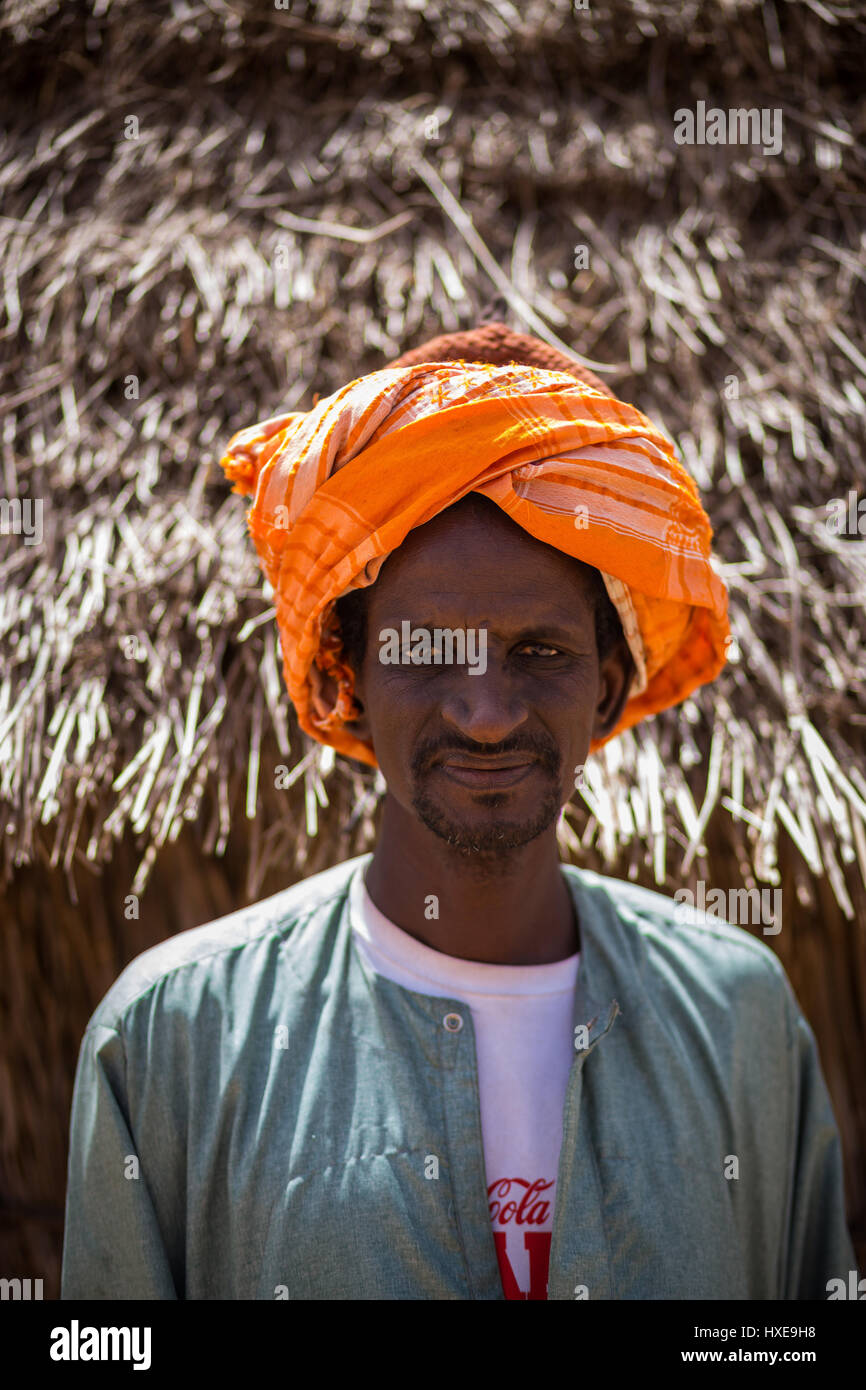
(515, 910)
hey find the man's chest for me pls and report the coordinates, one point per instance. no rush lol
(368, 1181)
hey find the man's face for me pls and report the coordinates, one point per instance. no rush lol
(486, 759)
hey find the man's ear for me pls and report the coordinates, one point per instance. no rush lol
(325, 692)
(615, 674)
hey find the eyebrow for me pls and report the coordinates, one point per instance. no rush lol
(553, 630)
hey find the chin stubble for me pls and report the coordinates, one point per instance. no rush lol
(493, 843)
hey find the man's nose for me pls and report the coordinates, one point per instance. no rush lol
(486, 707)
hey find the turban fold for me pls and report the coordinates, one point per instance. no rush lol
(338, 488)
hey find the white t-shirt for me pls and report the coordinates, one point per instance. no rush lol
(522, 1016)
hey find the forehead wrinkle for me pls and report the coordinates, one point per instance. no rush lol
(483, 548)
(516, 613)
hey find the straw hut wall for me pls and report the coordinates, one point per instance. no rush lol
(212, 212)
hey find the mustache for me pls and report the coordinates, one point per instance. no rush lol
(543, 750)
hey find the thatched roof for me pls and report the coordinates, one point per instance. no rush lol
(212, 213)
(213, 210)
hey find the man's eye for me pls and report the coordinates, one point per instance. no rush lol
(541, 647)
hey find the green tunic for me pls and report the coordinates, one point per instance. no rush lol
(254, 1112)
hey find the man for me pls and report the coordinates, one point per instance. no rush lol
(457, 1068)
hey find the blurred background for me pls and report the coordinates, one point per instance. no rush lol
(212, 213)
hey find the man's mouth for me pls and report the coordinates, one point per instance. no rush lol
(496, 773)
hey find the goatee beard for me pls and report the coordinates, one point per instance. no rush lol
(494, 843)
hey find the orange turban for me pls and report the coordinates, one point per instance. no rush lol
(336, 489)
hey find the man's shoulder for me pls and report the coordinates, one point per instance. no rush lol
(666, 934)
(203, 949)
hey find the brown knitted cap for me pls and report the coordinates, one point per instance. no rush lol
(497, 343)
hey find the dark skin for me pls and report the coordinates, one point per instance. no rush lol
(482, 839)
